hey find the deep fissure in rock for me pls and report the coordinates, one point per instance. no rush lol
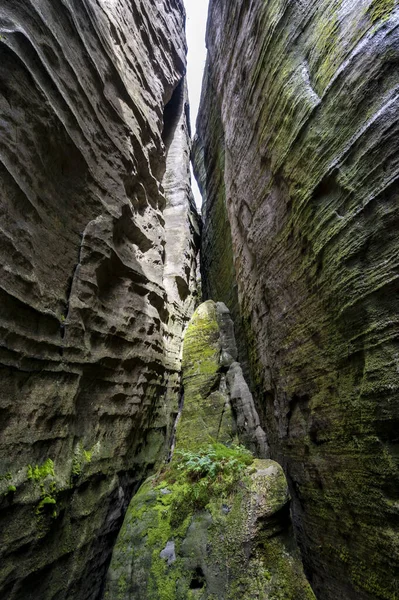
(197, 582)
(172, 114)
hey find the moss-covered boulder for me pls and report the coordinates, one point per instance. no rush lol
(239, 545)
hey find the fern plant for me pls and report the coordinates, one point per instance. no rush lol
(213, 461)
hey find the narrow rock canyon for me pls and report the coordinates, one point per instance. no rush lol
(166, 435)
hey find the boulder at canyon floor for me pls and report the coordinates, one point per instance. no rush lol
(215, 522)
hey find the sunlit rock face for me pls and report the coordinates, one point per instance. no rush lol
(95, 290)
(298, 160)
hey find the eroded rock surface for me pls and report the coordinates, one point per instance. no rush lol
(240, 546)
(95, 288)
(298, 160)
(215, 523)
(218, 405)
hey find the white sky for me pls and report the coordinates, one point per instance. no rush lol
(197, 12)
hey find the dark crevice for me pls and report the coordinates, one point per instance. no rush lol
(172, 113)
(198, 580)
(173, 436)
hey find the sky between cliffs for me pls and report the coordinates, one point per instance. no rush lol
(197, 12)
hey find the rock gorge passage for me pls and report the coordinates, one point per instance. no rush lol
(297, 158)
(191, 534)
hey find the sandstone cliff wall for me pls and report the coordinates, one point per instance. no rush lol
(298, 148)
(213, 524)
(94, 289)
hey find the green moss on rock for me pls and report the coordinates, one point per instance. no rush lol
(39, 473)
(310, 128)
(214, 523)
(174, 547)
(203, 419)
(380, 10)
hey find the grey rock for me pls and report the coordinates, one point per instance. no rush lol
(227, 339)
(94, 184)
(168, 553)
(247, 545)
(298, 158)
(230, 534)
(249, 429)
(218, 405)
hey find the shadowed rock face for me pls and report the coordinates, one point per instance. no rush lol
(213, 524)
(298, 160)
(94, 290)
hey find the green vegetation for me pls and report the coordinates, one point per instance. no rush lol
(211, 471)
(213, 461)
(201, 527)
(205, 505)
(46, 502)
(38, 473)
(163, 510)
(48, 490)
(44, 486)
(11, 489)
(200, 425)
(80, 459)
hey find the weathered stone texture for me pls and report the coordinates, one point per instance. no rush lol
(303, 100)
(240, 546)
(94, 292)
(196, 535)
(218, 406)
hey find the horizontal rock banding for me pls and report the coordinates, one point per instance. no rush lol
(89, 327)
(304, 97)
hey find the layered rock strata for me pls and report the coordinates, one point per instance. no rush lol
(215, 523)
(95, 287)
(297, 156)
